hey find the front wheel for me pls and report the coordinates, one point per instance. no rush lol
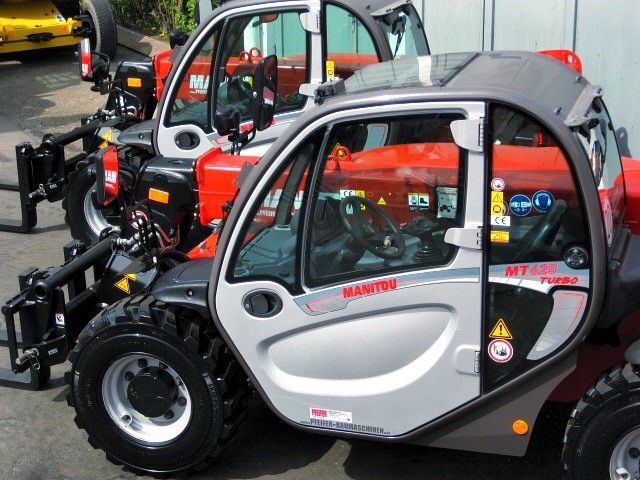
(104, 38)
(602, 440)
(84, 219)
(155, 389)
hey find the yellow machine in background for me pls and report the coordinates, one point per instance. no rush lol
(36, 24)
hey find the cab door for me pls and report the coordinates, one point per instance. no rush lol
(217, 70)
(352, 284)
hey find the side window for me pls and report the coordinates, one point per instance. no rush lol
(190, 103)
(246, 41)
(387, 192)
(349, 44)
(536, 211)
(269, 247)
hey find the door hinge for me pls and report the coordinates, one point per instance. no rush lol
(469, 134)
(465, 237)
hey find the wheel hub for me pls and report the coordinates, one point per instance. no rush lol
(152, 392)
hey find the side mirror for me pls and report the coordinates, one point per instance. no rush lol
(178, 38)
(94, 67)
(265, 88)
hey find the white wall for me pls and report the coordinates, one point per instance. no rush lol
(606, 35)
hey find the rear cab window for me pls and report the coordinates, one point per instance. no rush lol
(350, 46)
(599, 140)
(539, 249)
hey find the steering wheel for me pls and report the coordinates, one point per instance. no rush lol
(547, 226)
(368, 234)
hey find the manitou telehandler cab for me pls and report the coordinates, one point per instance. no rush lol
(314, 41)
(27, 25)
(335, 293)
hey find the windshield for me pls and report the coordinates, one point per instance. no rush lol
(405, 32)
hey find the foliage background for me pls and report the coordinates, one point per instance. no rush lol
(157, 17)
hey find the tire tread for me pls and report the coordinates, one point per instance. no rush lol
(223, 369)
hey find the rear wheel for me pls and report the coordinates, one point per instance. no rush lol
(155, 388)
(602, 440)
(104, 38)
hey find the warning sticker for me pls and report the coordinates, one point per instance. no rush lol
(500, 351)
(382, 201)
(447, 202)
(497, 184)
(497, 197)
(499, 209)
(124, 283)
(498, 236)
(108, 139)
(331, 70)
(501, 331)
(60, 319)
(330, 415)
(418, 201)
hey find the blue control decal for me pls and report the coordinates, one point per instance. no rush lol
(520, 205)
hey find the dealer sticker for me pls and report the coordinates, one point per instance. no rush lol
(330, 415)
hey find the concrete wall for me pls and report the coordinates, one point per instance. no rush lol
(606, 35)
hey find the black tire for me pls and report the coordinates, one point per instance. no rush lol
(217, 387)
(105, 37)
(84, 219)
(609, 412)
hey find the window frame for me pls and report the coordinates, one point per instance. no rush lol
(218, 62)
(325, 26)
(463, 177)
(208, 128)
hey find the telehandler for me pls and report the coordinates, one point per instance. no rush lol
(314, 40)
(335, 292)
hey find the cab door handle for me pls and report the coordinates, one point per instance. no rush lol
(262, 304)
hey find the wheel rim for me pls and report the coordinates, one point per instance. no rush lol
(625, 457)
(150, 430)
(96, 219)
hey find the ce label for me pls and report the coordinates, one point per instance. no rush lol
(500, 221)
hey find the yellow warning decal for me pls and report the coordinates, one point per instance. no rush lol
(124, 284)
(381, 201)
(498, 236)
(108, 139)
(501, 331)
(331, 70)
(497, 197)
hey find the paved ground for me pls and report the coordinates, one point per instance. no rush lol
(38, 440)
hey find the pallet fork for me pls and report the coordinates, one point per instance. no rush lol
(43, 172)
(45, 332)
